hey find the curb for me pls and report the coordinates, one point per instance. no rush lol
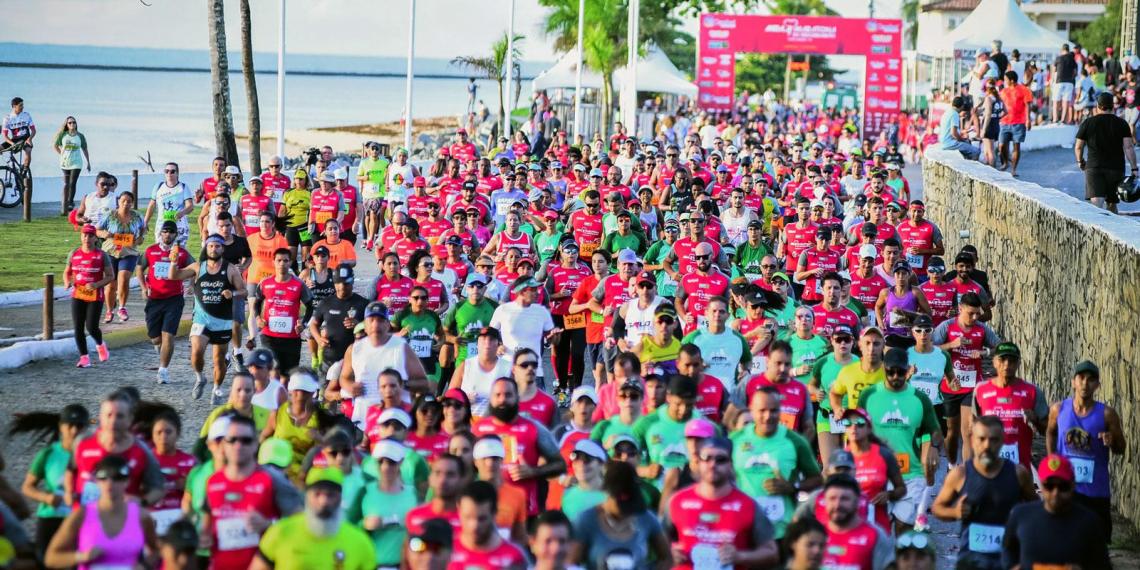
(23, 353)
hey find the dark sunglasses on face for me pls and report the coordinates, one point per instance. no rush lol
(244, 440)
(701, 257)
(528, 364)
(895, 371)
(717, 458)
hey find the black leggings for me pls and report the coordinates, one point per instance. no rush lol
(70, 179)
(569, 356)
(46, 528)
(86, 313)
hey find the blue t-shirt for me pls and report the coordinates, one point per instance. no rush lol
(950, 119)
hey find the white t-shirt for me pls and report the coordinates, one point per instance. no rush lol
(522, 328)
(168, 201)
(18, 125)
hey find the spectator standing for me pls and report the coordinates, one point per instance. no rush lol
(999, 59)
(69, 144)
(1109, 141)
(1111, 66)
(1016, 122)
(1064, 76)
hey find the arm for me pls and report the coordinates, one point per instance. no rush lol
(1115, 432)
(1130, 152)
(1051, 428)
(62, 551)
(948, 505)
(417, 381)
(1079, 152)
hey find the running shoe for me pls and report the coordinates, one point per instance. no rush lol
(218, 397)
(84, 362)
(110, 316)
(163, 376)
(123, 316)
(104, 354)
(368, 245)
(562, 397)
(199, 386)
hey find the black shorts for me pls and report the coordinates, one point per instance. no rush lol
(1102, 506)
(287, 351)
(293, 236)
(952, 403)
(1101, 183)
(212, 337)
(163, 315)
(349, 235)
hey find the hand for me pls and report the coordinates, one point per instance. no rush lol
(963, 508)
(520, 471)
(298, 328)
(1106, 438)
(610, 343)
(778, 486)
(255, 522)
(356, 390)
(956, 343)
(261, 324)
(881, 499)
(322, 340)
(727, 554)
(679, 556)
(227, 294)
(372, 523)
(349, 324)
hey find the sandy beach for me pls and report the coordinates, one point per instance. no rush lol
(348, 138)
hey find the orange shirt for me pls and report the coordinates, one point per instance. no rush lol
(512, 507)
(341, 251)
(1016, 99)
(262, 249)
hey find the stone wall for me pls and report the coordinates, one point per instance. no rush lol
(1066, 279)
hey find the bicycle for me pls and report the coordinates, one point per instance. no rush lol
(13, 177)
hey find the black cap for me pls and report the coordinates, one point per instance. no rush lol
(900, 265)
(436, 532)
(1086, 367)
(112, 466)
(376, 309)
(869, 229)
(261, 357)
(741, 288)
(861, 200)
(1007, 349)
(683, 386)
(74, 415)
(922, 321)
(963, 257)
(169, 226)
(823, 232)
(895, 358)
(491, 332)
(344, 274)
(412, 223)
(321, 250)
(182, 536)
(632, 384)
(453, 240)
(756, 224)
(470, 185)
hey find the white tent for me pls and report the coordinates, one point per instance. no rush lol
(992, 20)
(563, 74)
(657, 74)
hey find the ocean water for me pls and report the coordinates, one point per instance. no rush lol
(125, 113)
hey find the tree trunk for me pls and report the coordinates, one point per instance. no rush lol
(502, 105)
(607, 105)
(220, 84)
(250, 90)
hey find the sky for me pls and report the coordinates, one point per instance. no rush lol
(445, 28)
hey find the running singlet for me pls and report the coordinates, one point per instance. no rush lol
(505, 555)
(229, 503)
(699, 290)
(866, 289)
(212, 309)
(966, 360)
(394, 293)
(325, 206)
(88, 453)
(281, 307)
(522, 242)
(797, 240)
(158, 262)
(587, 232)
(794, 398)
(87, 268)
(826, 321)
(871, 473)
(705, 524)
(348, 200)
(251, 209)
(852, 549)
(520, 440)
(567, 281)
(275, 186)
(814, 259)
(1078, 438)
(921, 237)
(684, 249)
(175, 469)
(942, 298)
(262, 249)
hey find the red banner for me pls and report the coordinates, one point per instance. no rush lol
(722, 36)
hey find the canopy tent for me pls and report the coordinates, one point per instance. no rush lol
(992, 20)
(563, 74)
(654, 73)
(657, 74)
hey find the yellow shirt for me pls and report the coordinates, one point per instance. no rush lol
(650, 352)
(289, 545)
(852, 380)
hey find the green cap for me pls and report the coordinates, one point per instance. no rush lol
(331, 475)
(1007, 349)
(781, 275)
(275, 451)
(358, 329)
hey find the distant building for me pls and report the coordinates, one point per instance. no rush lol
(1061, 16)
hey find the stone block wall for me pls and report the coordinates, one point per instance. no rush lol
(1066, 280)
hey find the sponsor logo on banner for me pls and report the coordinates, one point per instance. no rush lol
(876, 64)
(891, 88)
(797, 32)
(705, 83)
(718, 45)
(873, 88)
(891, 78)
(708, 60)
(723, 23)
(893, 64)
(720, 34)
(882, 38)
(724, 84)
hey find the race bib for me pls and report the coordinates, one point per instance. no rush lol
(252, 220)
(86, 293)
(234, 534)
(620, 561)
(835, 425)
(788, 420)
(371, 189)
(574, 321)
(1010, 453)
(89, 494)
(587, 250)
(323, 217)
(123, 240)
(169, 216)
(706, 557)
(503, 205)
(928, 387)
(281, 324)
(773, 508)
(985, 539)
(1082, 469)
(966, 378)
(904, 462)
(472, 349)
(511, 449)
(162, 270)
(759, 364)
(914, 260)
(422, 347)
(164, 518)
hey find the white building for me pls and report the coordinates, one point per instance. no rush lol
(937, 17)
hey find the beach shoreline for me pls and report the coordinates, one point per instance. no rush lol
(347, 139)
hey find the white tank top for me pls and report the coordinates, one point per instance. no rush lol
(368, 361)
(267, 398)
(477, 383)
(96, 208)
(639, 321)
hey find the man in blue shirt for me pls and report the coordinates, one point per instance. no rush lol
(950, 135)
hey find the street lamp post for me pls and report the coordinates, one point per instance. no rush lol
(281, 79)
(578, 75)
(506, 128)
(411, 75)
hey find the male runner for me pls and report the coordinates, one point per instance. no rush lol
(163, 293)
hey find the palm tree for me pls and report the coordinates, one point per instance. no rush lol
(910, 19)
(250, 89)
(493, 67)
(220, 83)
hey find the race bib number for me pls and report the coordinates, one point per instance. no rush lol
(472, 349)
(620, 561)
(928, 387)
(985, 539)
(169, 216)
(706, 557)
(788, 420)
(587, 250)
(904, 462)
(835, 425)
(86, 293)
(574, 321)
(422, 347)
(252, 220)
(278, 196)
(1010, 453)
(89, 494)
(773, 508)
(511, 449)
(234, 534)
(914, 260)
(162, 270)
(323, 217)
(372, 189)
(123, 240)
(281, 324)
(966, 378)
(1082, 469)
(503, 205)
(759, 364)
(164, 518)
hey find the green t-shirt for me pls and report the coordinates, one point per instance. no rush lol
(749, 258)
(375, 171)
(575, 500)
(49, 466)
(616, 242)
(757, 459)
(465, 323)
(388, 540)
(422, 329)
(824, 371)
(663, 438)
(289, 545)
(609, 428)
(546, 244)
(806, 351)
(666, 286)
(783, 317)
(899, 418)
(721, 353)
(414, 470)
(858, 307)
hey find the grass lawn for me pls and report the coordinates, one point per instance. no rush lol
(41, 246)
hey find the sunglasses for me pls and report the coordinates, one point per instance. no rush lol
(923, 330)
(843, 339)
(665, 320)
(627, 395)
(1062, 486)
(274, 166)
(418, 298)
(701, 257)
(895, 371)
(453, 404)
(855, 422)
(477, 285)
(528, 364)
(717, 458)
(593, 204)
(338, 452)
(169, 171)
(766, 265)
(244, 440)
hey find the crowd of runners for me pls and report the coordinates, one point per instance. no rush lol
(751, 351)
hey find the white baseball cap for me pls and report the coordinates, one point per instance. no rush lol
(218, 428)
(584, 392)
(489, 447)
(304, 382)
(389, 449)
(868, 250)
(589, 448)
(395, 414)
(231, 169)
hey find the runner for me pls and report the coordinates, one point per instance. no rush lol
(112, 437)
(875, 467)
(964, 338)
(335, 317)
(373, 178)
(796, 413)
(367, 358)
(88, 270)
(216, 283)
(525, 324)
(121, 231)
(852, 542)
(1019, 405)
(274, 181)
(478, 543)
(942, 297)
(830, 313)
(422, 329)
(697, 288)
(815, 263)
(163, 293)
(278, 303)
(170, 201)
(858, 376)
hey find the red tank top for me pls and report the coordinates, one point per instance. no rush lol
(520, 439)
(281, 308)
(251, 209)
(942, 299)
(325, 206)
(684, 250)
(540, 408)
(175, 467)
(616, 293)
(826, 321)
(587, 230)
(1009, 403)
(521, 241)
(827, 261)
(867, 289)
(871, 473)
(794, 398)
(710, 396)
(966, 360)
(699, 290)
(404, 248)
(436, 292)
(505, 555)
(275, 185)
(429, 447)
(851, 550)
(418, 206)
(88, 453)
(87, 268)
(228, 503)
(348, 194)
(921, 237)
(798, 241)
(705, 524)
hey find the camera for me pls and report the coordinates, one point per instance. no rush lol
(311, 156)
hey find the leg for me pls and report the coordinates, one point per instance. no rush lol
(94, 311)
(167, 350)
(68, 189)
(197, 354)
(219, 364)
(78, 321)
(124, 287)
(1015, 157)
(110, 292)
(967, 425)
(577, 358)
(828, 442)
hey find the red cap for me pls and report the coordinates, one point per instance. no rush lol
(458, 395)
(858, 412)
(634, 202)
(550, 214)
(460, 131)
(1055, 465)
(89, 229)
(444, 151)
(419, 181)
(646, 277)
(439, 250)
